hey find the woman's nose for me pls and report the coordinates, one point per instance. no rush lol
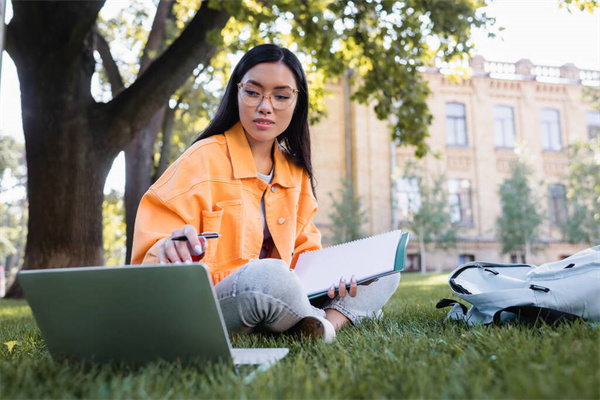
(265, 105)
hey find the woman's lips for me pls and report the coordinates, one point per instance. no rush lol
(263, 123)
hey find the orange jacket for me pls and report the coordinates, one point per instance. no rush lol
(214, 186)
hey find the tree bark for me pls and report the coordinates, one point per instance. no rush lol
(139, 166)
(167, 135)
(70, 140)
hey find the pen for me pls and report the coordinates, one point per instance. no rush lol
(206, 235)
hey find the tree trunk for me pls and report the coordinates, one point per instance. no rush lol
(70, 140)
(165, 149)
(139, 166)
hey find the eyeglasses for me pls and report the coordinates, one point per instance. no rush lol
(253, 96)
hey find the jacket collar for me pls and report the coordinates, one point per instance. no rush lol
(243, 162)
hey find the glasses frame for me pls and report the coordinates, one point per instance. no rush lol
(265, 96)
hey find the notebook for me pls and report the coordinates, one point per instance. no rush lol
(366, 259)
(134, 314)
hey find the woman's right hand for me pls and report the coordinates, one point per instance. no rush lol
(178, 251)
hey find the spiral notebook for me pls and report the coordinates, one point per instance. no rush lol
(366, 259)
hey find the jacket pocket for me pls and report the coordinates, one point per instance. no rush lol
(226, 219)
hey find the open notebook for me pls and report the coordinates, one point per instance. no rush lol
(366, 259)
(134, 314)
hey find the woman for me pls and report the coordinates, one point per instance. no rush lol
(249, 177)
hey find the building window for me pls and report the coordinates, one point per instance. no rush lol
(592, 121)
(408, 198)
(514, 259)
(413, 263)
(504, 127)
(459, 197)
(456, 125)
(550, 130)
(465, 258)
(557, 198)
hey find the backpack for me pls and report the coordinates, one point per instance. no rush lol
(564, 290)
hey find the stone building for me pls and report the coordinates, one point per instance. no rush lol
(479, 124)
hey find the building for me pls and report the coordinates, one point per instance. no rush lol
(478, 124)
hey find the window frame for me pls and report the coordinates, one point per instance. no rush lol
(464, 202)
(502, 135)
(454, 121)
(557, 204)
(550, 130)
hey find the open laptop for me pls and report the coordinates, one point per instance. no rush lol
(135, 314)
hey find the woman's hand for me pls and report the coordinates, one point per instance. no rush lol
(343, 290)
(178, 251)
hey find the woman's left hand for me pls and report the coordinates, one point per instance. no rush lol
(343, 290)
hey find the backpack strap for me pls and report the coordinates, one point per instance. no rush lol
(547, 315)
(448, 302)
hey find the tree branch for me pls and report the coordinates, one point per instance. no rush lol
(136, 104)
(156, 34)
(110, 66)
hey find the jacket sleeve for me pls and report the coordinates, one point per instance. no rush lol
(309, 239)
(154, 222)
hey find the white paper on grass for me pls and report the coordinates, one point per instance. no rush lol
(363, 258)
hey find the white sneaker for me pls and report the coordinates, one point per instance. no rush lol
(317, 327)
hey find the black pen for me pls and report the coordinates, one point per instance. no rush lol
(206, 235)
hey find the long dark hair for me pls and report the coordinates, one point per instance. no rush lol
(295, 140)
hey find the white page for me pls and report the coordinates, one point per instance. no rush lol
(363, 258)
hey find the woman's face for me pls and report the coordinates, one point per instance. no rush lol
(263, 122)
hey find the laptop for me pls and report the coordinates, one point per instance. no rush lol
(135, 314)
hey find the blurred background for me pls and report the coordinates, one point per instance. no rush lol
(473, 125)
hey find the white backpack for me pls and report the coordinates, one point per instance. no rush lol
(564, 290)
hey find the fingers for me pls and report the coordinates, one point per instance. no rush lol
(200, 249)
(344, 288)
(331, 292)
(177, 251)
(353, 287)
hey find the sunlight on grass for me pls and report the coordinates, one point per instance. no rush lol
(17, 310)
(410, 353)
(428, 279)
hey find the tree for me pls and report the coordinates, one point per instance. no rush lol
(71, 140)
(519, 223)
(347, 215)
(428, 212)
(583, 195)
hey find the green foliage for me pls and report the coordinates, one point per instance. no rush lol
(383, 42)
(346, 216)
(583, 194)
(430, 219)
(519, 223)
(410, 353)
(13, 208)
(114, 230)
(10, 152)
(583, 5)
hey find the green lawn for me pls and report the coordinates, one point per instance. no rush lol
(410, 353)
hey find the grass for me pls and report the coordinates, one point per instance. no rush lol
(410, 353)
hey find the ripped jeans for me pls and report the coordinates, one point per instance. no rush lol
(265, 295)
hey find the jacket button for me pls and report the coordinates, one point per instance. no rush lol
(273, 189)
(281, 220)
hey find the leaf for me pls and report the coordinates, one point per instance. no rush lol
(10, 345)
